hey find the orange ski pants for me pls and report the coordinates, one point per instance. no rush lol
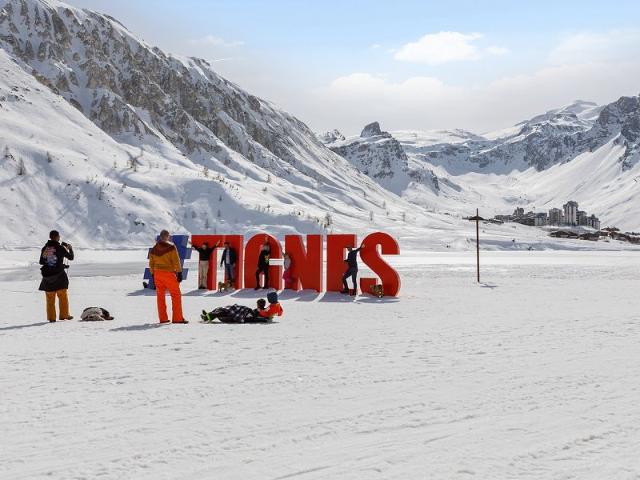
(167, 281)
(63, 301)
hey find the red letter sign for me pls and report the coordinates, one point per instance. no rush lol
(371, 257)
(306, 266)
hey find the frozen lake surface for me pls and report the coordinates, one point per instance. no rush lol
(534, 373)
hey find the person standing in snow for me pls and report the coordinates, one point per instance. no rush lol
(164, 265)
(229, 258)
(352, 270)
(55, 282)
(204, 253)
(263, 264)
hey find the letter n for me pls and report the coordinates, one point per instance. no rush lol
(306, 264)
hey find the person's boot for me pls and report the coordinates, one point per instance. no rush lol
(353, 292)
(257, 287)
(344, 291)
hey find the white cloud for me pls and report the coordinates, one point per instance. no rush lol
(496, 50)
(443, 47)
(423, 102)
(213, 41)
(597, 47)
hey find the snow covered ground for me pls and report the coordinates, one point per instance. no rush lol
(534, 373)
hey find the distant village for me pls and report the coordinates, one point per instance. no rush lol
(568, 216)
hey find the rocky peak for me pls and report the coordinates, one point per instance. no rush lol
(371, 130)
(332, 136)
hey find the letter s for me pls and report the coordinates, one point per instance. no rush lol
(371, 257)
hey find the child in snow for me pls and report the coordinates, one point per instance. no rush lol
(54, 278)
(275, 309)
(287, 274)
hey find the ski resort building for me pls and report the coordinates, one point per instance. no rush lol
(568, 215)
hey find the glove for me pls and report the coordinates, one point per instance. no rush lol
(179, 276)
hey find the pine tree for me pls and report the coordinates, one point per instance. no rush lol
(371, 216)
(219, 214)
(205, 171)
(21, 168)
(49, 157)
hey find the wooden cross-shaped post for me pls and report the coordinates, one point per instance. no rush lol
(477, 218)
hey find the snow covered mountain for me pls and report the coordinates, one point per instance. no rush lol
(110, 139)
(537, 164)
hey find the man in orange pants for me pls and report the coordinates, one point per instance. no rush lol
(164, 265)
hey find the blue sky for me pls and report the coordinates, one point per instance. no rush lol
(408, 64)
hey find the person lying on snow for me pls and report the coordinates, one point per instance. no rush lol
(243, 314)
(95, 314)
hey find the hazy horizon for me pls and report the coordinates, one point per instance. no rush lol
(410, 65)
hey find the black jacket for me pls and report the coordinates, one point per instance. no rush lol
(232, 256)
(205, 253)
(53, 272)
(263, 258)
(352, 258)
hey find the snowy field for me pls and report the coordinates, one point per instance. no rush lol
(533, 374)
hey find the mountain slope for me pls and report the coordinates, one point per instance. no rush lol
(116, 139)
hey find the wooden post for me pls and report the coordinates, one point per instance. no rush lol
(477, 219)
(478, 244)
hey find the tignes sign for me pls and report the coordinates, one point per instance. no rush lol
(307, 259)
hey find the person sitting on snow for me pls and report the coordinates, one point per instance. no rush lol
(275, 309)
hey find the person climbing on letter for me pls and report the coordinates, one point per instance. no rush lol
(204, 254)
(164, 265)
(229, 258)
(263, 264)
(352, 270)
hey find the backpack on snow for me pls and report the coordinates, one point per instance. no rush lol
(95, 314)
